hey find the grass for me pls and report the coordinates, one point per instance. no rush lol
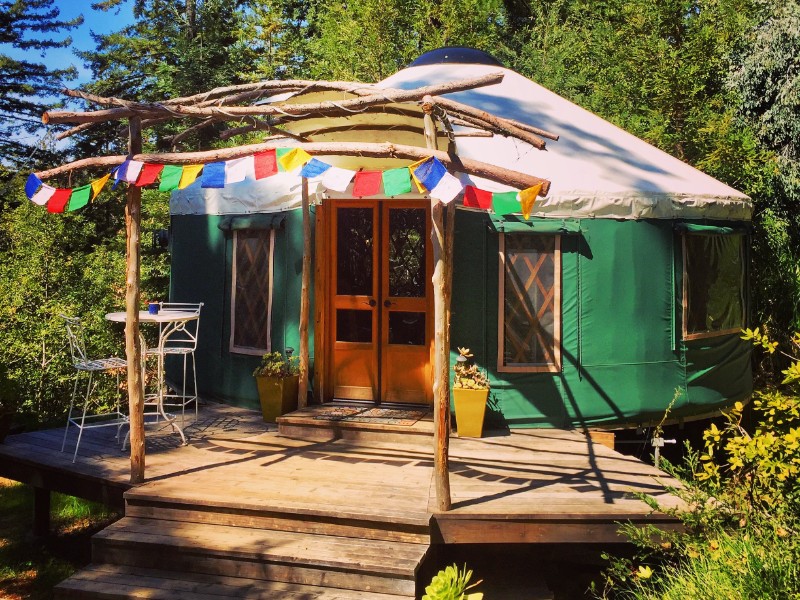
(29, 568)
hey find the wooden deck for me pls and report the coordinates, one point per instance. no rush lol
(374, 487)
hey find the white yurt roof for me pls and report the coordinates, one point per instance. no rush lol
(596, 169)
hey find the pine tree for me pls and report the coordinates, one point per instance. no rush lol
(26, 85)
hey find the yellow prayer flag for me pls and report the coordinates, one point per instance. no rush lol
(98, 185)
(189, 174)
(296, 157)
(527, 198)
(420, 188)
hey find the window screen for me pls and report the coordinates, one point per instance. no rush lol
(714, 284)
(530, 303)
(251, 302)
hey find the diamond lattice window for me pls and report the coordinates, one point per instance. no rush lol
(251, 291)
(530, 303)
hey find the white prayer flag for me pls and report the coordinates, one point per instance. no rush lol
(43, 195)
(134, 168)
(448, 188)
(337, 179)
(236, 170)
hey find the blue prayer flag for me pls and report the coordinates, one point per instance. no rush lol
(313, 168)
(430, 172)
(213, 175)
(31, 185)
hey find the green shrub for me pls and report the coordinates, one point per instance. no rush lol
(452, 583)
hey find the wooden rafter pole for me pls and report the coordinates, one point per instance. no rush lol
(324, 108)
(385, 150)
(133, 347)
(305, 291)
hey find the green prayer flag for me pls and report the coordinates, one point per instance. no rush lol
(80, 197)
(280, 153)
(170, 178)
(396, 181)
(506, 203)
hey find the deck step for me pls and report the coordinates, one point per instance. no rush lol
(114, 582)
(290, 557)
(306, 424)
(320, 520)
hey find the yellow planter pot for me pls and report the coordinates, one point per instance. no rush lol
(470, 410)
(278, 396)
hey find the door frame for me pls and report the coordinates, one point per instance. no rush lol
(324, 304)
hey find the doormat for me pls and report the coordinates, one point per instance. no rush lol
(381, 416)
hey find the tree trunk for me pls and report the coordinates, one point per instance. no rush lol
(305, 291)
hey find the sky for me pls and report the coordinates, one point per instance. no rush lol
(94, 21)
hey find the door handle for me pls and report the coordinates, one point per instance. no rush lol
(387, 303)
(372, 302)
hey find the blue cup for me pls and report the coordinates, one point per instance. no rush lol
(153, 308)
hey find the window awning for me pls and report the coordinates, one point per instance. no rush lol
(715, 229)
(513, 224)
(253, 221)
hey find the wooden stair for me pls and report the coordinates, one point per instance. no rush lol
(167, 548)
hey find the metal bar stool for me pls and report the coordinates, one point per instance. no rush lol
(86, 418)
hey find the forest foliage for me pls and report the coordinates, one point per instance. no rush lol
(712, 82)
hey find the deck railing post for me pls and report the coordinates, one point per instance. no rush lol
(305, 290)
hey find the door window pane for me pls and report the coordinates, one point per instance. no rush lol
(354, 243)
(407, 237)
(353, 325)
(407, 328)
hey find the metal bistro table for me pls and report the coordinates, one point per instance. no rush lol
(169, 321)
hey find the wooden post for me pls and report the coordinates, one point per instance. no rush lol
(441, 351)
(302, 389)
(133, 347)
(41, 512)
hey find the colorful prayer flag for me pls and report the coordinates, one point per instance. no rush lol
(420, 188)
(448, 188)
(505, 203)
(527, 198)
(58, 201)
(477, 198)
(190, 173)
(31, 185)
(429, 172)
(149, 174)
(236, 169)
(265, 164)
(337, 179)
(121, 172)
(367, 183)
(295, 157)
(43, 195)
(314, 168)
(134, 168)
(98, 185)
(170, 178)
(80, 197)
(213, 175)
(397, 181)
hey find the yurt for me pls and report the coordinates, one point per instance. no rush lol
(619, 293)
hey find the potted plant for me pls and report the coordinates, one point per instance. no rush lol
(9, 402)
(470, 394)
(277, 378)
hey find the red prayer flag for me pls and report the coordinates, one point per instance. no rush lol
(59, 200)
(367, 183)
(149, 174)
(266, 164)
(477, 198)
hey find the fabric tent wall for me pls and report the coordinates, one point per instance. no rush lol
(202, 257)
(622, 355)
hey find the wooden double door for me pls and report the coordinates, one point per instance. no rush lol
(379, 301)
